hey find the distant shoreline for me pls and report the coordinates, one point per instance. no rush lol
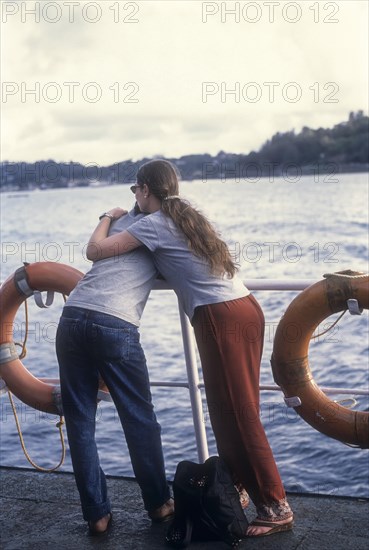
(325, 151)
(254, 174)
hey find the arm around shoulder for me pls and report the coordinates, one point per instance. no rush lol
(101, 246)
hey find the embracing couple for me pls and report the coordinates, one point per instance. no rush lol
(98, 338)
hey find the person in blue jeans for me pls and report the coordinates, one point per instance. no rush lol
(98, 338)
(228, 324)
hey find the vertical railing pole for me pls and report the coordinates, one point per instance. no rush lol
(193, 383)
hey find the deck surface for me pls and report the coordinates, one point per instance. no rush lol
(42, 511)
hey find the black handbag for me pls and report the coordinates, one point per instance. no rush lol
(207, 505)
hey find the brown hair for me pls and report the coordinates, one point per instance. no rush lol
(161, 177)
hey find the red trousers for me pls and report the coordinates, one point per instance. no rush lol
(230, 339)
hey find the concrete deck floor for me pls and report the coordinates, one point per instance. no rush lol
(42, 511)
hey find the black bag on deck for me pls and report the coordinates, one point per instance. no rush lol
(207, 505)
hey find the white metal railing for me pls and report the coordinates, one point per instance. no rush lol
(189, 346)
(193, 383)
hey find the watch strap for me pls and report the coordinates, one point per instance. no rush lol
(106, 215)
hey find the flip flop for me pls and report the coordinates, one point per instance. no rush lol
(275, 527)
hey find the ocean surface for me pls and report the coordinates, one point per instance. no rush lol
(276, 229)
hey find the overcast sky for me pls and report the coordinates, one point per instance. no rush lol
(107, 81)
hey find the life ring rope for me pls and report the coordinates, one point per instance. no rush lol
(330, 327)
(31, 280)
(23, 345)
(347, 274)
(59, 425)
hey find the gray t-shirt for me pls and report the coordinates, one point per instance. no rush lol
(120, 285)
(188, 274)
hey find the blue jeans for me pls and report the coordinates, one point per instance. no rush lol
(89, 343)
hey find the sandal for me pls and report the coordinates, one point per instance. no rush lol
(275, 527)
(243, 495)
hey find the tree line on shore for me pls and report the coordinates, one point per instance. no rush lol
(343, 148)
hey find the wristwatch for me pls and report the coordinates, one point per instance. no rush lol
(106, 215)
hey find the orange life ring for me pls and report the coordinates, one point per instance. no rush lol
(290, 362)
(40, 276)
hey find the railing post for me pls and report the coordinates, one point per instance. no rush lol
(193, 385)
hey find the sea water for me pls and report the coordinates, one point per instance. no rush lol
(276, 228)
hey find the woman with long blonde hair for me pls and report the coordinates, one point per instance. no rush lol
(228, 324)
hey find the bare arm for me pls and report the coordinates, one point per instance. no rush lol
(100, 246)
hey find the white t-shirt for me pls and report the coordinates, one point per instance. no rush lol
(188, 274)
(120, 285)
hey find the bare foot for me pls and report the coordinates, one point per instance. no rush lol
(100, 526)
(260, 528)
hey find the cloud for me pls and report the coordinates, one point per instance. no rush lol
(167, 55)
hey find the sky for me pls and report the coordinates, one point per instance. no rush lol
(100, 82)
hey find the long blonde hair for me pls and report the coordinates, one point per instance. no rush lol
(161, 177)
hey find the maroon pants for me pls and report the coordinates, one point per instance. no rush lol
(230, 341)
